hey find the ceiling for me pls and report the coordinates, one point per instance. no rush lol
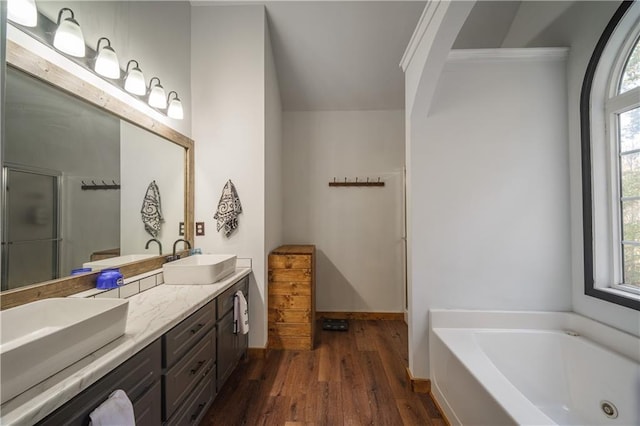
(345, 55)
(336, 55)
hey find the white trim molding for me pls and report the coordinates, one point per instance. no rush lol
(536, 53)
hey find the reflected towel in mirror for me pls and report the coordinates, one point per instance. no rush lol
(116, 410)
(229, 208)
(152, 210)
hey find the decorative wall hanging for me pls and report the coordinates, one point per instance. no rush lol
(152, 210)
(229, 208)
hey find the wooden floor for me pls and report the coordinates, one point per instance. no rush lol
(356, 377)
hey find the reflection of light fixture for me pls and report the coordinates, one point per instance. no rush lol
(107, 63)
(175, 107)
(68, 38)
(157, 97)
(23, 12)
(134, 80)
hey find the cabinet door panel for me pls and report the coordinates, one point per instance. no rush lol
(226, 349)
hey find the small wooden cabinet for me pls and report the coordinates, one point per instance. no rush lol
(291, 293)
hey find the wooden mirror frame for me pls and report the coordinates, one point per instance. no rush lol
(34, 65)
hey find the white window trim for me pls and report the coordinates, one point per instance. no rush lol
(604, 105)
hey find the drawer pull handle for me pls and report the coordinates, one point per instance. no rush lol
(195, 329)
(206, 372)
(198, 411)
(197, 367)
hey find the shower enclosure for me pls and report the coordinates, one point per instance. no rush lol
(30, 226)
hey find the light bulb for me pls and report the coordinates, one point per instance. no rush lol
(107, 63)
(68, 37)
(134, 81)
(175, 107)
(23, 12)
(157, 97)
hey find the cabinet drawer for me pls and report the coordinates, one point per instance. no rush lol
(299, 275)
(284, 302)
(183, 377)
(197, 404)
(289, 261)
(225, 300)
(290, 288)
(289, 315)
(183, 336)
(284, 329)
(148, 409)
(135, 376)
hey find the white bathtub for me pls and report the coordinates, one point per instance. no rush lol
(532, 368)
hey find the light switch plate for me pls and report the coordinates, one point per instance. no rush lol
(181, 229)
(199, 229)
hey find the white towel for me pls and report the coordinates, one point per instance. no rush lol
(152, 210)
(115, 411)
(240, 313)
(229, 208)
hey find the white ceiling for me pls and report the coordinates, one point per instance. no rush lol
(336, 55)
(345, 55)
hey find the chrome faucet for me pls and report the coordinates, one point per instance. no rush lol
(186, 243)
(154, 240)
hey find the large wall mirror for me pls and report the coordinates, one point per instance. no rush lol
(76, 171)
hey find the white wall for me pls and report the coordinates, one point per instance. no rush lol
(357, 231)
(273, 152)
(228, 79)
(145, 157)
(490, 192)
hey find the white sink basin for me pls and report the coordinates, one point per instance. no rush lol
(43, 337)
(199, 269)
(113, 262)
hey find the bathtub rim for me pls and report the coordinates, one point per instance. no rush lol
(618, 341)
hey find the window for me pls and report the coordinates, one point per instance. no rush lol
(610, 127)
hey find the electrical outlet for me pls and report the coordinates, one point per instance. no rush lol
(199, 229)
(181, 229)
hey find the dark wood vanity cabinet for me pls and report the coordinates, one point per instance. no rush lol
(174, 380)
(139, 377)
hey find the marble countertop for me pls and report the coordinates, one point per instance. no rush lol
(151, 314)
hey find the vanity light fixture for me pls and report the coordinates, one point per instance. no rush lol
(23, 12)
(175, 107)
(107, 64)
(157, 97)
(134, 80)
(68, 37)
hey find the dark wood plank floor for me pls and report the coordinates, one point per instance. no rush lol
(351, 378)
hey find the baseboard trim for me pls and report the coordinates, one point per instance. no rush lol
(371, 316)
(257, 353)
(418, 385)
(440, 410)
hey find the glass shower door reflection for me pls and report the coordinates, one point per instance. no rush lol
(31, 232)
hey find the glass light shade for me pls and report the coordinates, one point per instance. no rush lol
(175, 109)
(23, 12)
(69, 38)
(107, 63)
(157, 97)
(134, 83)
